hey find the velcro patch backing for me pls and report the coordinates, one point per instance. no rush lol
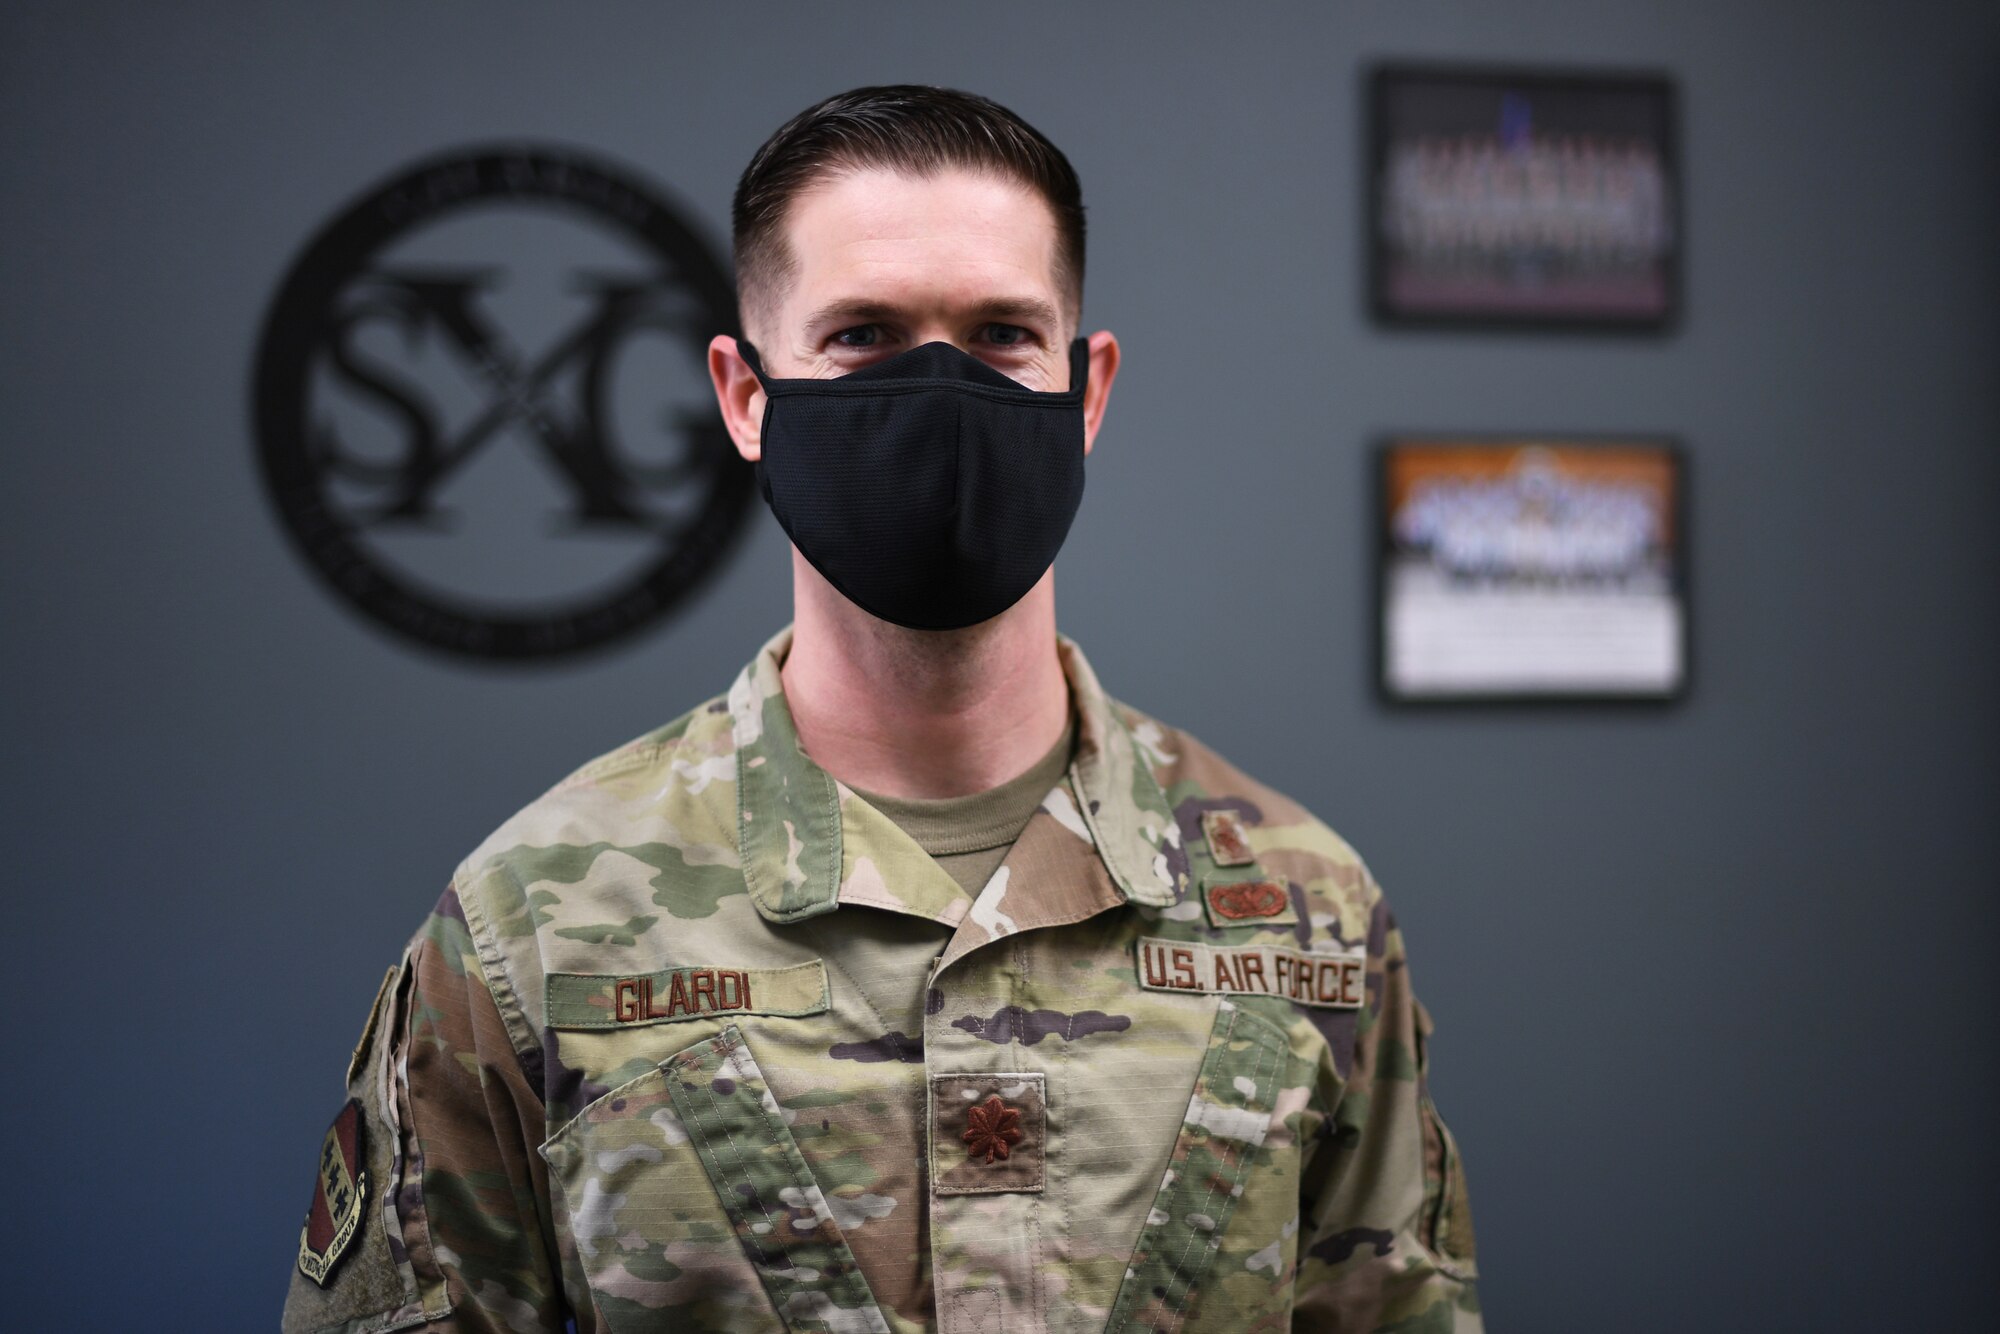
(612, 1000)
(1337, 981)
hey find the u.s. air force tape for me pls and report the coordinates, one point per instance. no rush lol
(612, 1000)
(1309, 978)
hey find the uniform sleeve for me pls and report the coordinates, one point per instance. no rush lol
(466, 1242)
(1385, 1226)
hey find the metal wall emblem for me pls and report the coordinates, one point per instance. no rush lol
(482, 407)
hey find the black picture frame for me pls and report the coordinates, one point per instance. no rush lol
(1630, 122)
(1676, 568)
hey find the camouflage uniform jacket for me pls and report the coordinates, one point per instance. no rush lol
(698, 1041)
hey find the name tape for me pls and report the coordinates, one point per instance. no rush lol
(609, 1000)
(1338, 981)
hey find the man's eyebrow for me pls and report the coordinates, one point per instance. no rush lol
(846, 310)
(866, 310)
(1031, 309)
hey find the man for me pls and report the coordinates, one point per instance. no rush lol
(912, 982)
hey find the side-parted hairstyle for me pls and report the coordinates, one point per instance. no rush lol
(907, 128)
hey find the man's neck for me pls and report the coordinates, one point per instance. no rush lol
(923, 713)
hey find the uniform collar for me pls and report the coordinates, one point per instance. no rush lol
(788, 809)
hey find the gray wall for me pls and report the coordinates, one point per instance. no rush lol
(1714, 985)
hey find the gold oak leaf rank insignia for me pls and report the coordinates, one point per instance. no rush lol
(334, 1219)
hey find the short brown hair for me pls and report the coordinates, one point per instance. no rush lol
(909, 128)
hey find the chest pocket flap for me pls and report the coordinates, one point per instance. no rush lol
(1227, 1118)
(622, 1187)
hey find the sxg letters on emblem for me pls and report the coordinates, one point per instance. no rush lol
(1337, 981)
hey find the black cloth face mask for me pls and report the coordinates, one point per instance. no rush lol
(929, 488)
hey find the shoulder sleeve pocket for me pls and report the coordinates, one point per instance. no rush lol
(1447, 1218)
(353, 1274)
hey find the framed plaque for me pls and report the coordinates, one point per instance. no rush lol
(1531, 568)
(1513, 197)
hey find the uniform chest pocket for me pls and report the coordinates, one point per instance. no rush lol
(687, 1194)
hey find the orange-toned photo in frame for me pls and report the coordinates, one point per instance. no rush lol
(1530, 567)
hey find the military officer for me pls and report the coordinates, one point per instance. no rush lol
(911, 982)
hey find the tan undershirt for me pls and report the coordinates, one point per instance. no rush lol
(969, 836)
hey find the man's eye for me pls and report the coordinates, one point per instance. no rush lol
(1006, 335)
(861, 335)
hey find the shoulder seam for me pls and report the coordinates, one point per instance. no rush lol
(500, 983)
(616, 762)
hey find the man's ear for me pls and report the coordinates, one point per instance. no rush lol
(739, 395)
(1103, 370)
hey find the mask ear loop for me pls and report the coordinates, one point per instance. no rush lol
(1079, 365)
(748, 352)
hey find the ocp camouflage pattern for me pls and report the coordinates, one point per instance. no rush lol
(595, 1116)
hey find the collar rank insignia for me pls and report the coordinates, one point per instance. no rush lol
(342, 1185)
(1228, 841)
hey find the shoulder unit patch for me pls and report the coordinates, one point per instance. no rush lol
(334, 1219)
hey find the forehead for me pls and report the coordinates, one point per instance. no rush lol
(894, 237)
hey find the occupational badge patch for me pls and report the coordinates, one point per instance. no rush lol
(334, 1219)
(1238, 902)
